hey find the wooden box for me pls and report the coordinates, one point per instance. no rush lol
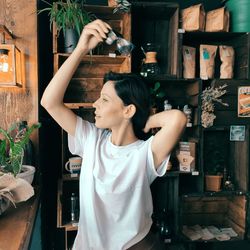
(156, 23)
(87, 81)
(65, 190)
(217, 149)
(222, 212)
(228, 115)
(180, 93)
(13, 76)
(239, 41)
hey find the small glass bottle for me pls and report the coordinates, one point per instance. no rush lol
(188, 112)
(74, 207)
(167, 105)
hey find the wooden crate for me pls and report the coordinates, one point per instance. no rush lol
(120, 22)
(156, 23)
(232, 154)
(65, 189)
(239, 41)
(228, 115)
(179, 93)
(217, 211)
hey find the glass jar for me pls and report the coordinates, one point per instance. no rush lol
(149, 64)
(124, 47)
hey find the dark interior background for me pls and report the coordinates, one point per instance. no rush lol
(50, 133)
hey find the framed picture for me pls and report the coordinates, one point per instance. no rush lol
(237, 133)
(244, 101)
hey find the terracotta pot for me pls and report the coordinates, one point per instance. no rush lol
(213, 182)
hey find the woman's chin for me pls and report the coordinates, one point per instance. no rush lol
(98, 124)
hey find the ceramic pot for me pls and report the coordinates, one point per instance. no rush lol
(27, 173)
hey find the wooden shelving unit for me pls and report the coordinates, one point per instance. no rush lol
(158, 22)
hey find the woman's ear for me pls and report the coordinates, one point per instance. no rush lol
(129, 111)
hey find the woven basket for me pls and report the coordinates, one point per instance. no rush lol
(213, 182)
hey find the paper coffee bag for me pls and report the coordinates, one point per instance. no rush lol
(217, 20)
(193, 18)
(207, 61)
(188, 62)
(227, 62)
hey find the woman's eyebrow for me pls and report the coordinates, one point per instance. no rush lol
(104, 94)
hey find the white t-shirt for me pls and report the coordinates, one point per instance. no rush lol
(115, 197)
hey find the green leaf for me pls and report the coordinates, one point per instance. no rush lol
(157, 86)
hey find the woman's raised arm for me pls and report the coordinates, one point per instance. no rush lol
(52, 99)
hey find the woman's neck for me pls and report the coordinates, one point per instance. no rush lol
(123, 135)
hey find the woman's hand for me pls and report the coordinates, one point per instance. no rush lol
(92, 34)
(148, 124)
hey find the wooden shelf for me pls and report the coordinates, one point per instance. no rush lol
(177, 173)
(70, 226)
(97, 58)
(95, 66)
(212, 36)
(70, 177)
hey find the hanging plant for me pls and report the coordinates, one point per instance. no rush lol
(209, 97)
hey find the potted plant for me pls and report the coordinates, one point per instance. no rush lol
(214, 168)
(156, 94)
(12, 147)
(70, 16)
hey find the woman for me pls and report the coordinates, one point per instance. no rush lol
(115, 197)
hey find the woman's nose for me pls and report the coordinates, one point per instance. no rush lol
(95, 104)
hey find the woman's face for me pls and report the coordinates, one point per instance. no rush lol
(109, 107)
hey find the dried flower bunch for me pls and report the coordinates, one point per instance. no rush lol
(209, 96)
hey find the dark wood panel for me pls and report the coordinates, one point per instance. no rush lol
(156, 23)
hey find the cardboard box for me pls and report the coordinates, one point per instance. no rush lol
(186, 156)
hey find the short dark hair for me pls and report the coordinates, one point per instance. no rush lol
(132, 89)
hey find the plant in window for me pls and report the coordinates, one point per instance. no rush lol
(209, 97)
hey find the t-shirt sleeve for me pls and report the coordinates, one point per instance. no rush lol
(83, 131)
(151, 170)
